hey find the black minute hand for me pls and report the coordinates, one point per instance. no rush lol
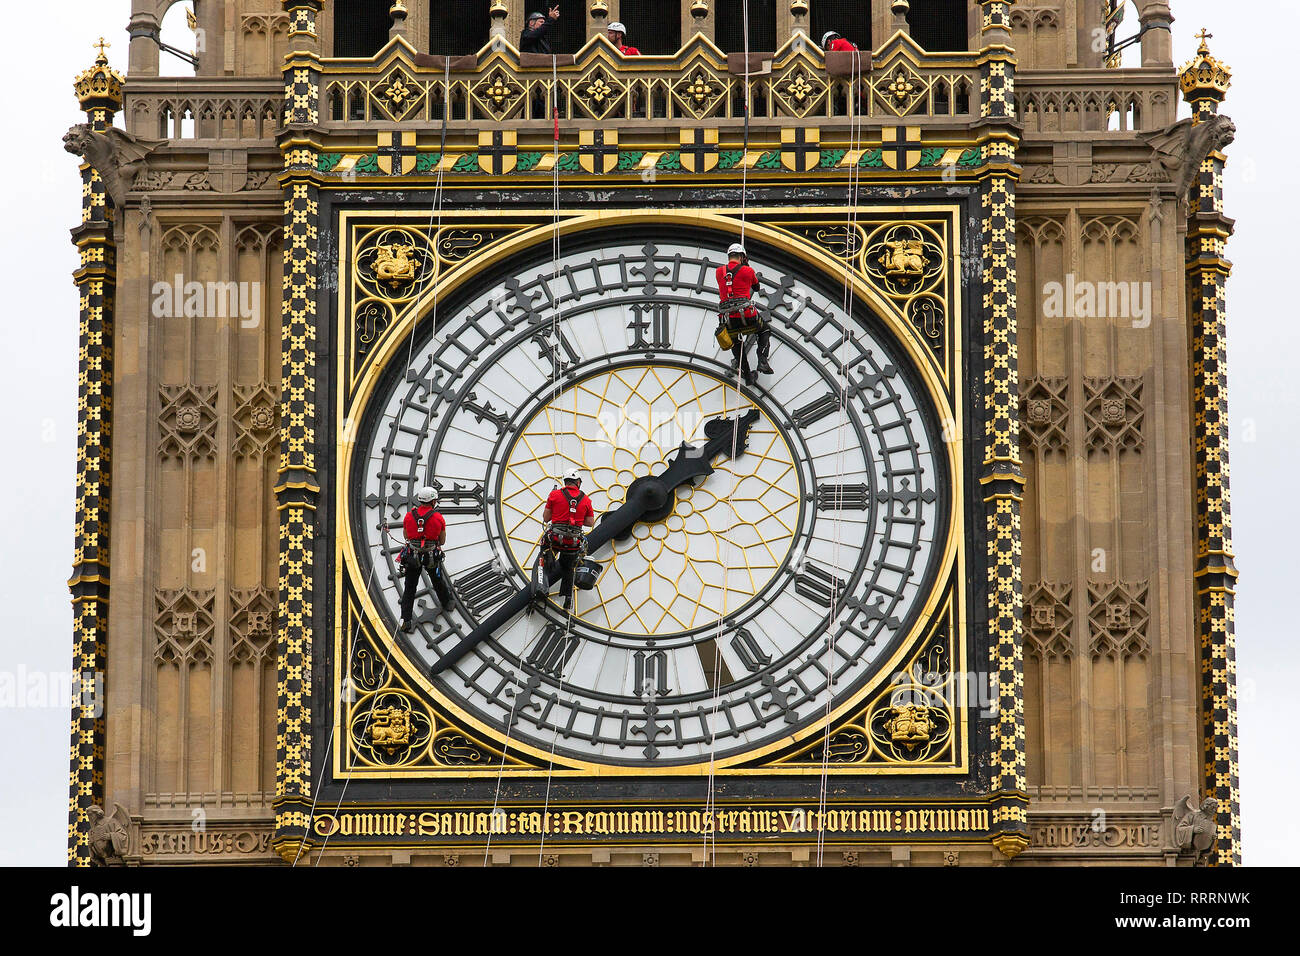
(650, 498)
(653, 497)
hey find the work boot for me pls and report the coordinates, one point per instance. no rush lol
(406, 626)
(763, 367)
(568, 603)
(751, 378)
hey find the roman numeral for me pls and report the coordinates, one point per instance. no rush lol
(485, 412)
(558, 350)
(749, 651)
(460, 500)
(817, 410)
(842, 498)
(818, 585)
(650, 673)
(553, 649)
(483, 587)
(651, 319)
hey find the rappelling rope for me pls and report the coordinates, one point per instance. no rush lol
(570, 613)
(710, 828)
(850, 246)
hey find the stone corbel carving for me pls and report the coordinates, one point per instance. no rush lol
(109, 835)
(1196, 829)
(115, 155)
(1181, 148)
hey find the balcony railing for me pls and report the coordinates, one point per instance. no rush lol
(697, 84)
(207, 110)
(1096, 100)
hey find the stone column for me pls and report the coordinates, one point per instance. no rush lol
(1157, 37)
(1205, 81)
(1001, 475)
(297, 489)
(99, 91)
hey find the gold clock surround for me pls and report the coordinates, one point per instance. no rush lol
(360, 626)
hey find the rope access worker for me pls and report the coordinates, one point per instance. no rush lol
(616, 32)
(832, 42)
(426, 533)
(737, 315)
(567, 513)
(536, 36)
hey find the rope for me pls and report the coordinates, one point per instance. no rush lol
(850, 225)
(711, 792)
(555, 391)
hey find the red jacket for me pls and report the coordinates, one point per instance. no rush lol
(572, 509)
(739, 284)
(841, 45)
(629, 51)
(423, 525)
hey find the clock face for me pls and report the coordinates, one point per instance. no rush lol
(776, 587)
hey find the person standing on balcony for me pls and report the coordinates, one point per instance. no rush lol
(616, 32)
(832, 42)
(536, 37)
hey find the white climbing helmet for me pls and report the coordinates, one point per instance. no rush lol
(827, 37)
(736, 249)
(617, 27)
(428, 495)
(572, 475)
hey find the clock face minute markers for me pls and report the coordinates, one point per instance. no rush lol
(738, 590)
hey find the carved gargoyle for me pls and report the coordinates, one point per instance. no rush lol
(1181, 148)
(109, 839)
(115, 155)
(1196, 829)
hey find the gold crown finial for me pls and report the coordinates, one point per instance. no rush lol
(100, 87)
(1205, 77)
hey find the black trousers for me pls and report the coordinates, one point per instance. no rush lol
(740, 359)
(413, 564)
(568, 560)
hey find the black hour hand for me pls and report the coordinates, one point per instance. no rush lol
(653, 497)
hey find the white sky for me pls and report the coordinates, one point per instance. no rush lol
(40, 202)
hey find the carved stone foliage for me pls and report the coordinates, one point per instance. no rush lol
(1117, 619)
(187, 422)
(1113, 414)
(256, 421)
(252, 625)
(183, 626)
(1045, 414)
(1048, 621)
